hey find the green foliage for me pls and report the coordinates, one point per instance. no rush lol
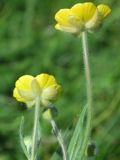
(21, 130)
(29, 44)
(77, 138)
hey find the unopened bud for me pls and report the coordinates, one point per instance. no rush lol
(47, 115)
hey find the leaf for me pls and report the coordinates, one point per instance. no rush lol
(76, 140)
(22, 138)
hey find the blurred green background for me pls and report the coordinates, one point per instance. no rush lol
(29, 44)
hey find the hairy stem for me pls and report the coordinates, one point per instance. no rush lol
(89, 94)
(35, 129)
(60, 139)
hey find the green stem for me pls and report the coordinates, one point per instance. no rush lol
(60, 139)
(89, 95)
(35, 129)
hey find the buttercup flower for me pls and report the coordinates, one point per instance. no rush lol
(28, 88)
(81, 17)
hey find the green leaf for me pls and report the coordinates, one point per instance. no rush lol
(22, 138)
(76, 140)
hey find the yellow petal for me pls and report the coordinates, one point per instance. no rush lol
(93, 22)
(49, 93)
(67, 21)
(51, 81)
(104, 10)
(35, 87)
(23, 90)
(24, 82)
(45, 80)
(77, 10)
(20, 99)
(89, 10)
(27, 95)
(71, 29)
(42, 79)
(62, 17)
(17, 96)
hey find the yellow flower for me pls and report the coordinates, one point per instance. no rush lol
(81, 17)
(28, 88)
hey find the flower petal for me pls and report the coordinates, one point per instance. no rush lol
(62, 17)
(71, 29)
(50, 94)
(104, 10)
(35, 87)
(68, 21)
(42, 79)
(77, 10)
(51, 81)
(89, 10)
(27, 95)
(17, 96)
(93, 22)
(45, 80)
(24, 82)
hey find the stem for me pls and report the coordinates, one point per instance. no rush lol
(60, 139)
(35, 128)
(89, 94)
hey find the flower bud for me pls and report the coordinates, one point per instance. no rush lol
(47, 115)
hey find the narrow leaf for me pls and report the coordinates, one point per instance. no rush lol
(76, 140)
(22, 138)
